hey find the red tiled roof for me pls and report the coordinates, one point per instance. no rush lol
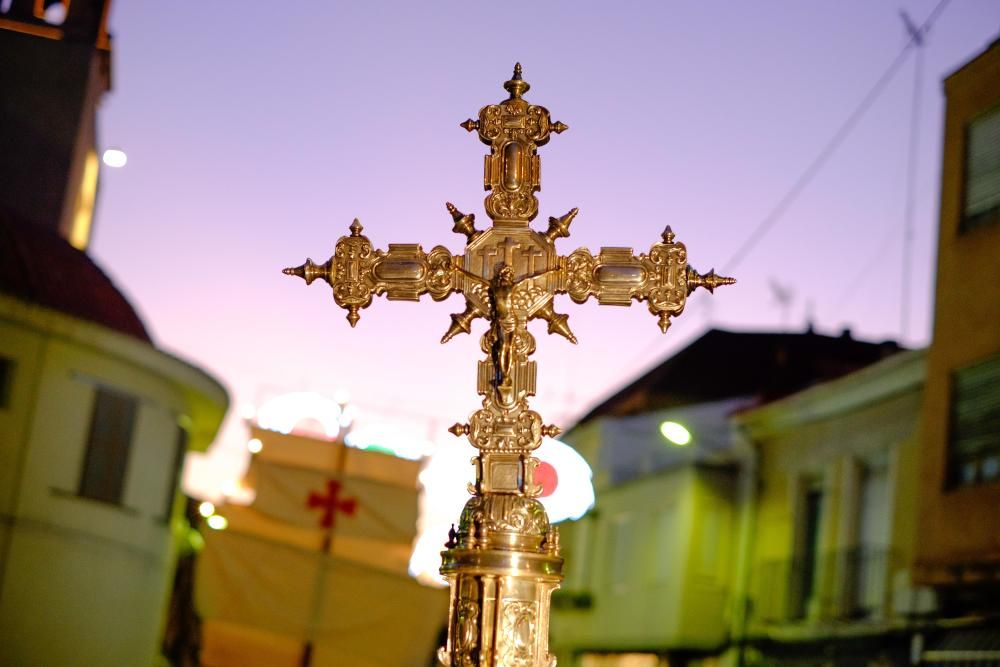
(40, 267)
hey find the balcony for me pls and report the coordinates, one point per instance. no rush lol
(844, 585)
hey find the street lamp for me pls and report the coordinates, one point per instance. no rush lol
(675, 433)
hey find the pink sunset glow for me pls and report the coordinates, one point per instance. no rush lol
(256, 132)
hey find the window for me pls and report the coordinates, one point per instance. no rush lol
(805, 567)
(180, 449)
(982, 172)
(974, 447)
(622, 550)
(6, 377)
(108, 446)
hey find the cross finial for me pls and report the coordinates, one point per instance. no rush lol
(516, 86)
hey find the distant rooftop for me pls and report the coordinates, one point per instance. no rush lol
(40, 267)
(728, 364)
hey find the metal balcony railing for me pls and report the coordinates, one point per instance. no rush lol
(847, 584)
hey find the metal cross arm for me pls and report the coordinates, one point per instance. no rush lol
(356, 272)
(615, 276)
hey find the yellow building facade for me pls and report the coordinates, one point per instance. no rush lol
(827, 551)
(959, 542)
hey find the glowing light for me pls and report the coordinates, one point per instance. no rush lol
(255, 445)
(55, 14)
(348, 416)
(571, 477)
(217, 522)
(195, 540)
(385, 437)
(115, 158)
(675, 433)
(294, 411)
(83, 213)
(547, 478)
(206, 509)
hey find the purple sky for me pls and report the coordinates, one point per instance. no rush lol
(257, 131)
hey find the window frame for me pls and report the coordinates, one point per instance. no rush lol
(966, 223)
(108, 486)
(954, 459)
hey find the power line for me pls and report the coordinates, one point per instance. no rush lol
(828, 150)
(917, 38)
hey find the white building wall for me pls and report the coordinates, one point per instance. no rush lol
(85, 582)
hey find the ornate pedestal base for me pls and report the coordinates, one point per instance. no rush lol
(502, 564)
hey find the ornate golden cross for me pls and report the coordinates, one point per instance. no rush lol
(503, 560)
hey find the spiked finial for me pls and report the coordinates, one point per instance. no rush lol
(709, 280)
(464, 223)
(516, 86)
(667, 235)
(461, 322)
(459, 429)
(356, 228)
(559, 227)
(309, 271)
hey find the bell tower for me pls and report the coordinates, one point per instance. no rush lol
(57, 66)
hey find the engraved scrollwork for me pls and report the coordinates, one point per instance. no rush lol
(467, 633)
(536, 126)
(579, 275)
(666, 299)
(489, 122)
(481, 428)
(529, 430)
(665, 268)
(668, 254)
(352, 260)
(517, 204)
(504, 513)
(440, 273)
(517, 633)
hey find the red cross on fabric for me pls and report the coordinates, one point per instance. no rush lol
(331, 504)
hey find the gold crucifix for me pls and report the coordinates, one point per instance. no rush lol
(503, 560)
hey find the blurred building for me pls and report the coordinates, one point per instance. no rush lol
(94, 419)
(958, 551)
(57, 65)
(315, 570)
(828, 540)
(653, 569)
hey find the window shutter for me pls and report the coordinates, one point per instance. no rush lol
(108, 446)
(982, 170)
(975, 421)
